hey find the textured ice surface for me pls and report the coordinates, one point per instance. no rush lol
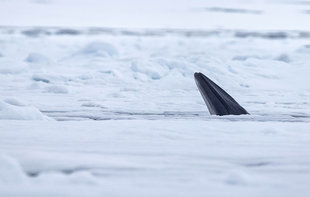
(155, 158)
(107, 76)
(155, 137)
(37, 58)
(14, 110)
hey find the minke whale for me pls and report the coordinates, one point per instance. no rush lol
(217, 100)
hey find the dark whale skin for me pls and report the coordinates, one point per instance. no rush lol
(217, 100)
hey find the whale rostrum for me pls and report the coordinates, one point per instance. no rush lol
(217, 100)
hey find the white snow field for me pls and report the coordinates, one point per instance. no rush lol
(98, 98)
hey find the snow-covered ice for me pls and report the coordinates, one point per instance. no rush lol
(155, 158)
(12, 109)
(105, 103)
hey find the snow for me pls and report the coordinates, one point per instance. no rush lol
(14, 110)
(158, 157)
(99, 49)
(123, 116)
(57, 89)
(37, 58)
(11, 172)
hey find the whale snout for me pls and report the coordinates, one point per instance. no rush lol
(217, 100)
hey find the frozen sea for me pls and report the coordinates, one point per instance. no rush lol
(98, 98)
